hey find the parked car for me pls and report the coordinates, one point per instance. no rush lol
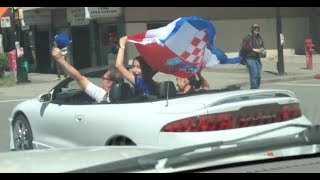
(66, 117)
(295, 153)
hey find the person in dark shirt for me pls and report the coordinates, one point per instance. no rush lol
(252, 48)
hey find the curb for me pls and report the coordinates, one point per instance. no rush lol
(278, 79)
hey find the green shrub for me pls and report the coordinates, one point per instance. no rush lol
(7, 81)
(3, 61)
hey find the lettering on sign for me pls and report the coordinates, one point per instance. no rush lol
(98, 12)
(76, 16)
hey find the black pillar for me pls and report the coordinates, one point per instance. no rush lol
(280, 63)
(17, 31)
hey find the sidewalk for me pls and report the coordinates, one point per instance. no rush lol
(218, 76)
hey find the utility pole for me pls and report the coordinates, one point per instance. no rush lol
(280, 63)
(18, 33)
(17, 40)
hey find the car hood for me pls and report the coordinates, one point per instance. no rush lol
(66, 159)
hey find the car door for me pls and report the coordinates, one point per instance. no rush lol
(64, 121)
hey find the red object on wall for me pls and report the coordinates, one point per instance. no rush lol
(3, 10)
(109, 38)
(12, 58)
(20, 52)
(309, 49)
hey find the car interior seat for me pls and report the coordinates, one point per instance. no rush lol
(120, 92)
(167, 87)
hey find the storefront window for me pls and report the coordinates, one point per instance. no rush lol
(156, 25)
(109, 41)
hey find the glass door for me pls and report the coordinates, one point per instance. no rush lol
(108, 43)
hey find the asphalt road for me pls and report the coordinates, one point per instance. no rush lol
(6, 106)
(308, 91)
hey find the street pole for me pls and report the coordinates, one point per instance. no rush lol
(13, 39)
(280, 63)
(17, 39)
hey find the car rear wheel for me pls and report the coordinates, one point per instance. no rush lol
(22, 134)
(121, 141)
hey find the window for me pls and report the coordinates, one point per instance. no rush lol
(156, 25)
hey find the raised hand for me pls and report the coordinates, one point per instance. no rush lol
(56, 53)
(122, 42)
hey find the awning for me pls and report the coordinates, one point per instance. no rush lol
(30, 8)
(3, 10)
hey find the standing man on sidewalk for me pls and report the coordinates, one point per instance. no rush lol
(252, 49)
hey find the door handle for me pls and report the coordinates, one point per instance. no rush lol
(79, 118)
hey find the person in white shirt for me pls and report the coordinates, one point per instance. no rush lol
(97, 93)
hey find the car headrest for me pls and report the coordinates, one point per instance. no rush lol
(120, 91)
(163, 89)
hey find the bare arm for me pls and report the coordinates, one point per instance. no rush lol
(204, 82)
(69, 69)
(120, 58)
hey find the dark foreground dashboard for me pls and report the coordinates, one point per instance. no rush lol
(298, 164)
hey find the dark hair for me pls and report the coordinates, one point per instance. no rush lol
(194, 82)
(115, 76)
(254, 27)
(147, 72)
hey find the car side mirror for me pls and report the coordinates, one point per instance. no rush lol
(45, 98)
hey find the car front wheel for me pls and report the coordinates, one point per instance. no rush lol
(22, 134)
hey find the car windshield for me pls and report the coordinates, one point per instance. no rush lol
(120, 89)
(187, 158)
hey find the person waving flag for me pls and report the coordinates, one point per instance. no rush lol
(182, 48)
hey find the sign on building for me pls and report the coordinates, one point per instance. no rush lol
(5, 22)
(37, 17)
(100, 12)
(20, 52)
(76, 16)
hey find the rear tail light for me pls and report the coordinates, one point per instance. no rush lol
(290, 111)
(245, 117)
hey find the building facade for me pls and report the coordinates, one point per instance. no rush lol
(96, 30)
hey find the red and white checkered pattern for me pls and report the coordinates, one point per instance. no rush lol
(195, 51)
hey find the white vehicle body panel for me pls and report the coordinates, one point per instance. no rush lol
(62, 126)
(59, 160)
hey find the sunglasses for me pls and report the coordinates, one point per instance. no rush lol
(104, 78)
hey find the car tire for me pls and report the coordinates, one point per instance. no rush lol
(22, 133)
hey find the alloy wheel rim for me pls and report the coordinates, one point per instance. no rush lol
(21, 136)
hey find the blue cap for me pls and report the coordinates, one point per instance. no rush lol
(62, 40)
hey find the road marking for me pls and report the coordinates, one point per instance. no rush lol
(13, 100)
(287, 84)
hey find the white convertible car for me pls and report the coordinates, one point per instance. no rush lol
(66, 117)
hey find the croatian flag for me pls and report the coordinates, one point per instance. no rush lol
(181, 48)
